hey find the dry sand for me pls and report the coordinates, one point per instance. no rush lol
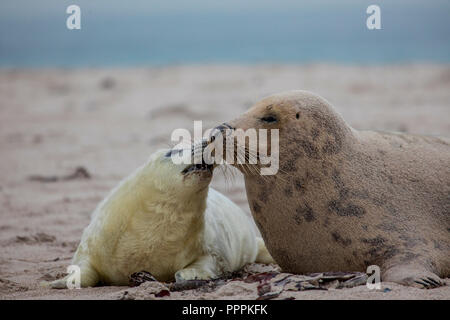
(109, 121)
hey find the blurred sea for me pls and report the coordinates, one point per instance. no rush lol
(132, 33)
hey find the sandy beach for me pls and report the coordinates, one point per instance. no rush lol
(68, 136)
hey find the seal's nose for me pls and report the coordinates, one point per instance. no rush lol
(223, 127)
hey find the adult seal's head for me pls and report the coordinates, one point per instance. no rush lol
(345, 199)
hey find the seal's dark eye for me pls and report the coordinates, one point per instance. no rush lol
(269, 119)
(168, 154)
(173, 151)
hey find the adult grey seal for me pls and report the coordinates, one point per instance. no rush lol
(344, 199)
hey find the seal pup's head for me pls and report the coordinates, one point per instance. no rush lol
(175, 178)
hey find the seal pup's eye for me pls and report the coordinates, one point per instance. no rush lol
(171, 152)
(269, 119)
(168, 154)
(297, 115)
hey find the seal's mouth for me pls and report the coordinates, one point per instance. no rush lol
(198, 168)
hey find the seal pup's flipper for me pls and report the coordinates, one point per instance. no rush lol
(204, 268)
(88, 278)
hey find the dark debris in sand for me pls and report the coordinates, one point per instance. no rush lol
(269, 284)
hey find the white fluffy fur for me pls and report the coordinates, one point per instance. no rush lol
(168, 224)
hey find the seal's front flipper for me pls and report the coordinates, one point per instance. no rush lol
(413, 275)
(204, 268)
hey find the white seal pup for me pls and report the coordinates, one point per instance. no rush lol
(165, 219)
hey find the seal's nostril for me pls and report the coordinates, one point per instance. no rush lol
(223, 127)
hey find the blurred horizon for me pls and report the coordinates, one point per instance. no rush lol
(155, 33)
